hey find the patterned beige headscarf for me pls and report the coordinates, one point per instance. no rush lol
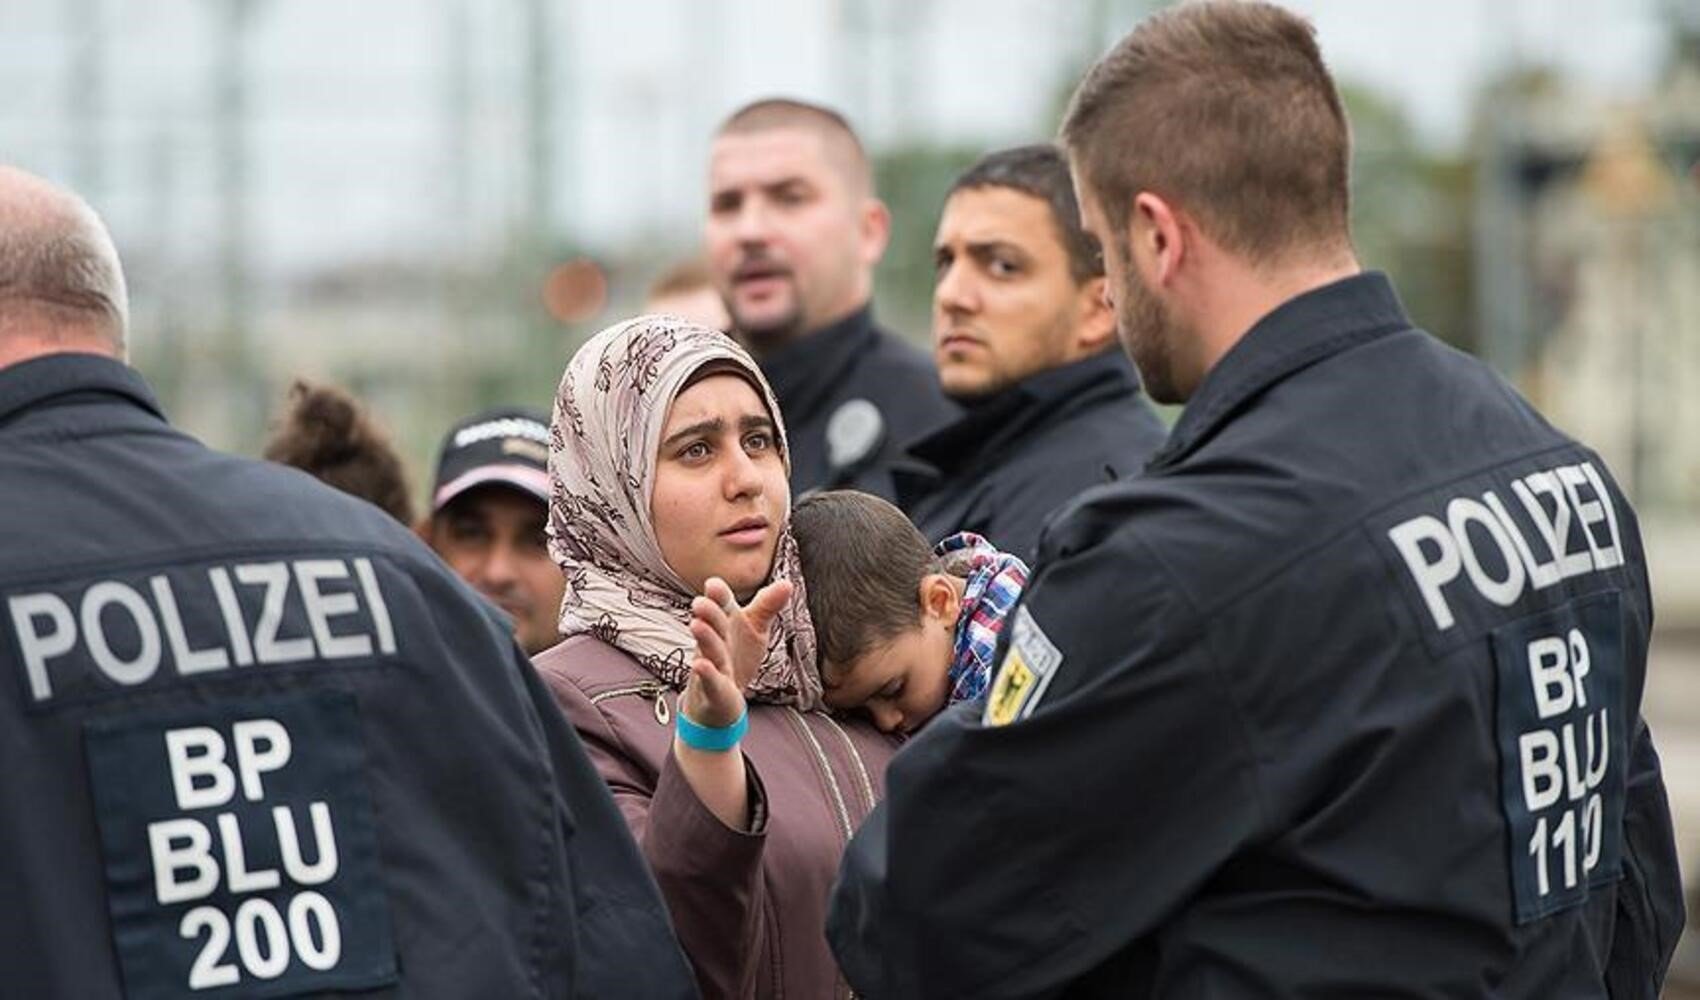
(605, 435)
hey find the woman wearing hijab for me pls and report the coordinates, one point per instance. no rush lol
(670, 472)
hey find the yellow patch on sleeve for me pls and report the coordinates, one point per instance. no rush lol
(1028, 666)
(1009, 691)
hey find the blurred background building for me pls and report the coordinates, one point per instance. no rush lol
(434, 201)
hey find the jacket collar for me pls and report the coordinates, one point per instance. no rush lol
(28, 384)
(1300, 332)
(992, 423)
(805, 373)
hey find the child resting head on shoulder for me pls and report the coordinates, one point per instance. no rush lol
(902, 628)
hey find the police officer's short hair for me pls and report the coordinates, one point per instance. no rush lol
(1226, 108)
(843, 144)
(862, 564)
(1042, 172)
(57, 261)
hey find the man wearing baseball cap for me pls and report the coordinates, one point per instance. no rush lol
(489, 505)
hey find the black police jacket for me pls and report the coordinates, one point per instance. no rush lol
(1011, 460)
(852, 396)
(256, 740)
(1341, 698)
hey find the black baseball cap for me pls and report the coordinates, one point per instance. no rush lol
(505, 447)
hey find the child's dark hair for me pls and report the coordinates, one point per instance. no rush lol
(862, 568)
(326, 433)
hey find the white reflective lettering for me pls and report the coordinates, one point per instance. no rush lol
(198, 752)
(1543, 780)
(139, 667)
(1574, 786)
(1430, 574)
(189, 660)
(1557, 527)
(236, 874)
(177, 845)
(1549, 675)
(322, 607)
(1538, 850)
(1610, 553)
(1541, 574)
(1592, 829)
(1564, 840)
(231, 609)
(1459, 514)
(251, 760)
(256, 918)
(37, 646)
(1587, 511)
(209, 969)
(268, 648)
(1597, 745)
(375, 603)
(324, 848)
(305, 910)
(1579, 665)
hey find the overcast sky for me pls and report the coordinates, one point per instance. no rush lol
(355, 148)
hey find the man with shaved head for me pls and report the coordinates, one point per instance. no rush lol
(256, 736)
(61, 289)
(794, 232)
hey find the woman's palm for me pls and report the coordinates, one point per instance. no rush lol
(731, 644)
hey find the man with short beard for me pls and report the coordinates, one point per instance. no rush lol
(1025, 340)
(1341, 696)
(794, 231)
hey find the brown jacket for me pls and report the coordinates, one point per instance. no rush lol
(749, 906)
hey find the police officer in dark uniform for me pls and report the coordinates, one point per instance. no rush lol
(1025, 341)
(1341, 697)
(794, 231)
(257, 740)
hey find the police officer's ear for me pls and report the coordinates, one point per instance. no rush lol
(873, 225)
(424, 529)
(1095, 325)
(1162, 235)
(941, 599)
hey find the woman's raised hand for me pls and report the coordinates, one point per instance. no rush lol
(731, 642)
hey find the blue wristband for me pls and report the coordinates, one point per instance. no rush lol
(714, 739)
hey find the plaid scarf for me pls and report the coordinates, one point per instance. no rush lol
(994, 583)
